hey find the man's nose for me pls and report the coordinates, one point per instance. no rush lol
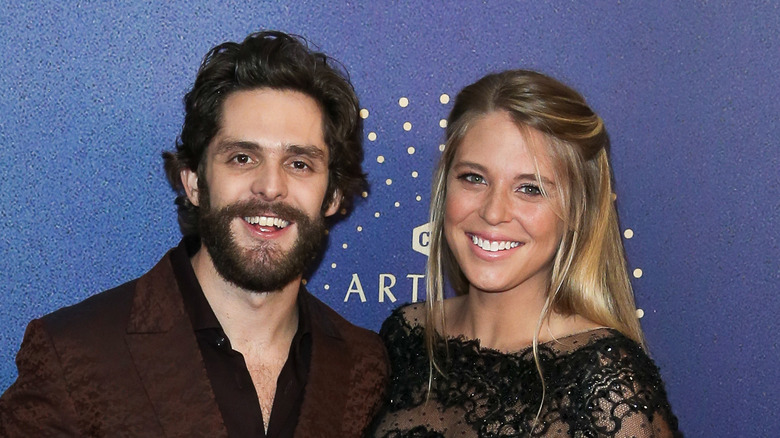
(270, 183)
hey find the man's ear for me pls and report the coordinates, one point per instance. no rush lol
(189, 179)
(335, 203)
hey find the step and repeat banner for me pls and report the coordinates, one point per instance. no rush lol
(91, 97)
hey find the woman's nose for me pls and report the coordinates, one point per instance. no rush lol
(496, 207)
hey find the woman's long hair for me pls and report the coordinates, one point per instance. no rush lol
(589, 276)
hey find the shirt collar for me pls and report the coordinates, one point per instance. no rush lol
(201, 315)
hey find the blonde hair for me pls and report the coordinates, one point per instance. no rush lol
(589, 276)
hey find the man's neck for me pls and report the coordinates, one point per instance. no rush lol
(253, 321)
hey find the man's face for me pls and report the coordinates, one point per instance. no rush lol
(266, 174)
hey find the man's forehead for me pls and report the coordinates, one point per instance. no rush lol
(270, 119)
(230, 145)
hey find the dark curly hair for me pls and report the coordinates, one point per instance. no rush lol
(279, 61)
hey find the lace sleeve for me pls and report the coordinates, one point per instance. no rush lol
(597, 384)
(626, 395)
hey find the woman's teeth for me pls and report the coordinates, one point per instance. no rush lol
(494, 246)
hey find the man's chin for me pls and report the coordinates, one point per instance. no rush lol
(263, 267)
(264, 282)
(250, 262)
(260, 255)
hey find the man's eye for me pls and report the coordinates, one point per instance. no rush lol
(473, 178)
(300, 165)
(241, 159)
(530, 189)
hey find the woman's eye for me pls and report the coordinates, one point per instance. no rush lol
(473, 178)
(530, 189)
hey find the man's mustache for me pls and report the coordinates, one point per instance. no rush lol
(256, 207)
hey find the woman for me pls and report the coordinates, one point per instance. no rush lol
(542, 337)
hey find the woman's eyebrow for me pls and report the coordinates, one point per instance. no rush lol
(533, 177)
(520, 177)
(470, 165)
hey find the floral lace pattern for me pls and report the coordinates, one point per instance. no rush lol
(598, 384)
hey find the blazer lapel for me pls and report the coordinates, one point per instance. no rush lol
(166, 354)
(327, 389)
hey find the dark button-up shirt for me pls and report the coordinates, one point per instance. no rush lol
(233, 388)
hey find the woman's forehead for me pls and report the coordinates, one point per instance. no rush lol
(497, 141)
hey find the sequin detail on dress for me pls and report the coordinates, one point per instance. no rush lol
(599, 384)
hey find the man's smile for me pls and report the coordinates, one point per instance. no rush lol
(267, 221)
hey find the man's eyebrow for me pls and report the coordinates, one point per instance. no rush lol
(310, 151)
(228, 146)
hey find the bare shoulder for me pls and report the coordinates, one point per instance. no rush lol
(565, 326)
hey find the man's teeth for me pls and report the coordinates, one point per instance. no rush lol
(266, 221)
(493, 246)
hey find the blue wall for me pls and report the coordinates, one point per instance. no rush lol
(91, 95)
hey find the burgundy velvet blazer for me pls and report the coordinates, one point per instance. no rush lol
(125, 362)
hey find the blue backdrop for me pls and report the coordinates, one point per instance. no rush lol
(91, 95)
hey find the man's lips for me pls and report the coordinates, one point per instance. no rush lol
(267, 221)
(493, 245)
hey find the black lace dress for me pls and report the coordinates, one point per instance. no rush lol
(599, 384)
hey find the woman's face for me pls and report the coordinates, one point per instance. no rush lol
(501, 229)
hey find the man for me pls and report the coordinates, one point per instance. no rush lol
(220, 338)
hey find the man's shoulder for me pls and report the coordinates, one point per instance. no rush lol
(110, 308)
(106, 306)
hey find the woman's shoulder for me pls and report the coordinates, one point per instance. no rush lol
(412, 316)
(613, 375)
(608, 344)
(404, 319)
(602, 348)
(403, 334)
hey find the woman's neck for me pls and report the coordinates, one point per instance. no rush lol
(507, 321)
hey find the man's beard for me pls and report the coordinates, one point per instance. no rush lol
(264, 266)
